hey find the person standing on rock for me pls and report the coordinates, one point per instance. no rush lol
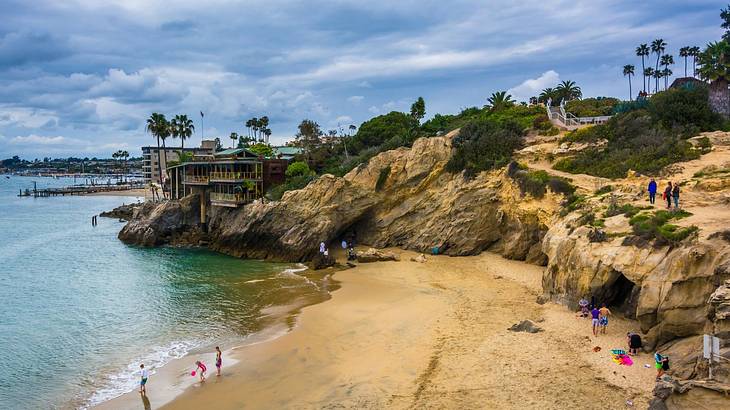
(595, 314)
(675, 195)
(652, 191)
(668, 195)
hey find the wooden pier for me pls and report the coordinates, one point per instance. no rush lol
(77, 190)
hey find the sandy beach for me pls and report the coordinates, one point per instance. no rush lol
(423, 335)
(141, 192)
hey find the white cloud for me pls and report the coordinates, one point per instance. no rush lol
(26, 117)
(373, 109)
(34, 139)
(532, 86)
(355, 99)
(343, 120)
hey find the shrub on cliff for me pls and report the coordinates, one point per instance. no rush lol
(297, 169)
(684, 107)
(383, 128)
(536, 182)
(591, 107)
(484, 145)
(656, 226)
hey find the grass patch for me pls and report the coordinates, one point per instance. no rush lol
(604, 190)
(627, 210)
(536, 183)
(656, 226)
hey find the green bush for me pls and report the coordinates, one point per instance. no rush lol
(298, 168)
(634, 142)
(656, 227)
(542, 123)
(684, 107)
(382, 177)
(396, 127)
(537, 182)
(262, 149)
(591, 107)
(604, 190)
(484, 145)
(628, 106)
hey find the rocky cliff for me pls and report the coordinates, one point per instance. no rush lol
(418, 206)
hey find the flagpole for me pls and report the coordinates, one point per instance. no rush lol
(202, 126)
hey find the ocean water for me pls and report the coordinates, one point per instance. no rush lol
(80, 310)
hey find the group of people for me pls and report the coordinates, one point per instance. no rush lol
(200, 369)
(599, 316)
(671, 193)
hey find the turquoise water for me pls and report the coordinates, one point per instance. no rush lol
(80, 309)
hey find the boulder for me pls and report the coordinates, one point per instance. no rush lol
(421, 258)
(169, 222)
(375, 255)
(525, 326)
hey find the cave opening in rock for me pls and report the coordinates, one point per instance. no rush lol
(619, 294)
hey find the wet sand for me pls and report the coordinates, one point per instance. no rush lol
(426, 335)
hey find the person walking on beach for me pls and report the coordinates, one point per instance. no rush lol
(668, 195)
(143, 376)
(652, 191)
(201, 370)
(603, 318)
(595, 314)
(675, 195)
(218, 360)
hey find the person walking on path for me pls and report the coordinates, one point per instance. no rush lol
(201, 370)
(143, 376)
(652, 191)
(668, 195)
(218, 360)
(675, 195)
(595, 314)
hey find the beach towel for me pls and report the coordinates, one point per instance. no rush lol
(619, 356)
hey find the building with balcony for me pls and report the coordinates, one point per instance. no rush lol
(153, 160)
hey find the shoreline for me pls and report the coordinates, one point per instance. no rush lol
(407, 334)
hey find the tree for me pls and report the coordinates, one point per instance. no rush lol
(657, 47)
(263, 129)
(649, 74)
(297, 169)
(628, 72)
(694, 52)
(568, 90)
(418, 109)
(234, 137)
(308, 137)
(500, 100)
(546, 94)
(658, 74)
(643, 51)
(158, 126)
(725, 16)
(262, 149)
(684, 52)
(715, 68)
(182, 127)
(666, 61)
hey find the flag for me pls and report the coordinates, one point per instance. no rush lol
(201, 114)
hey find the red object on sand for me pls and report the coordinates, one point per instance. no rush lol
(192, 373)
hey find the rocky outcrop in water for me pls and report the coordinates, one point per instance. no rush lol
(158, 223)
(123, 212)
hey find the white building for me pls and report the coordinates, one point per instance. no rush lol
(153, 160)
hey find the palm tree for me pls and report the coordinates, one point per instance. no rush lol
(629, 71)
(159, 128)
(666, 61)
(182, 127)
(715, 68)
(643, 51)
(658, 46)
(500, 100)
(657, 75)
(685, 52)
(649, 74)
(234, 137)
(568, 90)
(546, 94)
(694, 52)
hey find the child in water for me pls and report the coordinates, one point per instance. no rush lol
(201, 370)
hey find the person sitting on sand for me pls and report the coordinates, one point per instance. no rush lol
(218, 360)
(603, 317)
(143, 375)
(595, 313)
(583, 303)
(201, 370)
(662, 365)
(634, 341)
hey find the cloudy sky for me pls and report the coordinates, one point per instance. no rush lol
(79, 77)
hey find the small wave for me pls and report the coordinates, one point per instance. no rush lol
(292, 273)
(127, 380)
(255, 281)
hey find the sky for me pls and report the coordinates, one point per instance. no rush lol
(80, 77)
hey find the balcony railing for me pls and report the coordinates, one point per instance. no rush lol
(233, 175)
(218, 198)
(196, 179)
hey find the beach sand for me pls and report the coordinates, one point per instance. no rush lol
(425, 335)
(142, 192)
